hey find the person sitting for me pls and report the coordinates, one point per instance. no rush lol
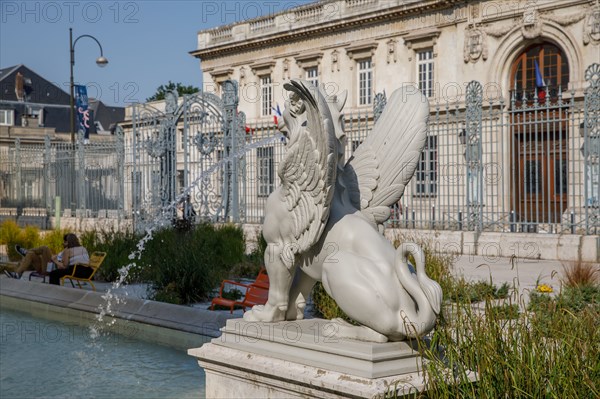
(33, 259)
(73, 254)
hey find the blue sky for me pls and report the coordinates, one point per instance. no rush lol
(146, 42)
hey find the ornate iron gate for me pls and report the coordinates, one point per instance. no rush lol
(188, 158)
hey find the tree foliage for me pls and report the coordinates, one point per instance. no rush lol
(163, 89)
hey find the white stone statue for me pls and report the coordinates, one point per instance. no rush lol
(324, 222)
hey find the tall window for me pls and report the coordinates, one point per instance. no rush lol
(426, 174)
(425, 71)
(7, 117)
(267, 95)
(365, 82)
(553, 71)
(312, 75)
(266, 171)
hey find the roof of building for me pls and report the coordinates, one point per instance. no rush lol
(31, 91)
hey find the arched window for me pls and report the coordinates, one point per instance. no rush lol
(539, 130)
(552, 72)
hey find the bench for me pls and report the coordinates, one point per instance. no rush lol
(255, 293)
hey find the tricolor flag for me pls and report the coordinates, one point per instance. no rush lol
(276, 114)
(539, 81)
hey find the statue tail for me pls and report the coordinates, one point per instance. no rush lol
(429, 287)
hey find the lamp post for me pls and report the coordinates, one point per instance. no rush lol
(100, 61)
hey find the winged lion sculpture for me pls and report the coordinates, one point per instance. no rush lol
(323, 223)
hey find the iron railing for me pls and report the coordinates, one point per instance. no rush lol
(516, 165)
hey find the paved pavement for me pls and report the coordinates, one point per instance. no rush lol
(525, 274)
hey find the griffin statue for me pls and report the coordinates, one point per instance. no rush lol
(325, 221)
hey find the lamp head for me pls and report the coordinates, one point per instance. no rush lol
(101, 61)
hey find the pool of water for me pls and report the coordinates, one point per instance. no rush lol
(50, 359)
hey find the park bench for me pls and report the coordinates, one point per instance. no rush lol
(255, 293)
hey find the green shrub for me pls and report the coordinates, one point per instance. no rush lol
(251, 265)
(461, 290)
(118, 245)
(186, 266)
(54, 240)
(11, 234)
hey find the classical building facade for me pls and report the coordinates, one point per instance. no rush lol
(513, 89)
(368, 46)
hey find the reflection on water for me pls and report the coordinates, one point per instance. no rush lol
(41, 358)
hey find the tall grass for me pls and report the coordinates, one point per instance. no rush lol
(550, 349)
(547, 353)
(580, 274)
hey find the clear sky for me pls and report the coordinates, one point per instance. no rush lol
(146, 42)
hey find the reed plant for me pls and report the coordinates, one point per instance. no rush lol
(548, 348)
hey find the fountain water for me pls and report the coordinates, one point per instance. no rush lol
(164, 219)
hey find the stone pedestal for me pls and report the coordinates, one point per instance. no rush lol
(303, 359)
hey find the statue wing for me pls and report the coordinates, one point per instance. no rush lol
(308, 171)
(381, 167)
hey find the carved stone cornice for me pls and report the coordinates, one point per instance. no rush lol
(260, 68)
(422, 38)
(361, 50)
(221, 75)
(308, 60)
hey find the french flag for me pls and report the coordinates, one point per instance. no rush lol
(276, 113)
(539, 81)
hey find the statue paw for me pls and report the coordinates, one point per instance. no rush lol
(296, 312)
(267, 312)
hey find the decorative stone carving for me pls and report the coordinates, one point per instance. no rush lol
(566, 20)
(591, 28)
(531, 24)
(242, 76)
(324, 222)
(286, 68)
(392, 55)
(335, 63)
(475, 45)
(497, 31)
(171, 99)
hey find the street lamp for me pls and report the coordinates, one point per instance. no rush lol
(100, 61)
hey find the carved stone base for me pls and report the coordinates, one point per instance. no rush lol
(303, 359)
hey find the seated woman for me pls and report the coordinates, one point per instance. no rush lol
(73, 254)
(38, 258)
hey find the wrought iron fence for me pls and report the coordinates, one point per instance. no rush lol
(523, 165)
(36, 180)
(528, 164)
